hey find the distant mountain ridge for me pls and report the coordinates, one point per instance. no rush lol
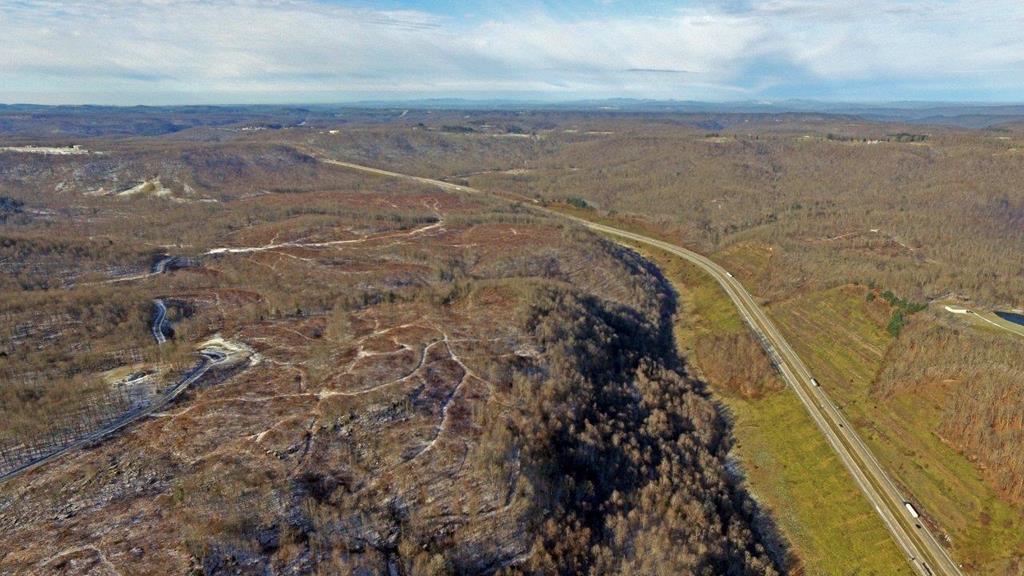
(42, 121)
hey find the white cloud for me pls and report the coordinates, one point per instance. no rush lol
(874, 38)
(303, 46)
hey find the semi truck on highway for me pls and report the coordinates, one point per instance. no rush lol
(815, 382)
(912, 510)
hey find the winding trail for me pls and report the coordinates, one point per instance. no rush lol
(274, 245)
(158, 267)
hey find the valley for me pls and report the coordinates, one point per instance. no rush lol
(373, 346)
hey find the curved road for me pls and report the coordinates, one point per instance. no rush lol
(159, 320)
(207, 358)
(922, 549)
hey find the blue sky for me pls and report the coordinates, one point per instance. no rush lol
(237, 51)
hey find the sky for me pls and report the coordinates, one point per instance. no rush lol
(153, 52)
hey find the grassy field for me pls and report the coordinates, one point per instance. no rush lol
(790, 468)
(843, 340)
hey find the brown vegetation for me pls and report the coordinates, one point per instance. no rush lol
(923, 219)
(612, 438)
(983, 415)
(799, 208)
(736, 362)
(440, 383)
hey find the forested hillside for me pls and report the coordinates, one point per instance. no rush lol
(359, 376)
(826, 219)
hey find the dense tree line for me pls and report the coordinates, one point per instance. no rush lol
(626, 456)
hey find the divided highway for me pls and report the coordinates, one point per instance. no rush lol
(922, 549)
